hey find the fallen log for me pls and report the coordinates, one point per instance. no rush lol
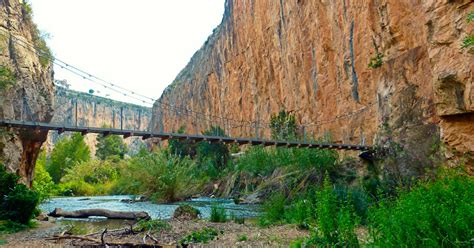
(85, 213)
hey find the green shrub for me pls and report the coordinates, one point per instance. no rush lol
(273, 210)
(242, 237)
(186, 212)
(93, 177)
(283, 126)
(376, 61)
(203, 236)
(68, 152)
(164, 177)
(8, 226)
(468, 42)
(153, 226)
(20, 204)
(43, 183)
(434, 214)
(110, 146)
(218, 214)
(7, 77)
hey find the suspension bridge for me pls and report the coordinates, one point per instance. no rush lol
(30, 121)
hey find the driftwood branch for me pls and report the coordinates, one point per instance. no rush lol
(98, 242)
(85, 213)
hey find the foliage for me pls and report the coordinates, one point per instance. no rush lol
(242, 237)
(183, 148)
(218, 214)
(470, 17)
(43, 183)
(153, 225)
(263, 161)
(274, 210)
(109, 146)
(93, 177)
(186, 212)
(468, 42)
(164, 177)
(283, 126)
(434, 214)
(67, 153)
(7, 77)
(335, 219)
(204, 236)
(17, 202)
(377, 61)
(8, 226)
(215, 156)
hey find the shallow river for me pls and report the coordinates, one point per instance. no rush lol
(162, 211)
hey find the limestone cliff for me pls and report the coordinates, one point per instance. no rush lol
(312, 58)
(96, 111)
(27, 87)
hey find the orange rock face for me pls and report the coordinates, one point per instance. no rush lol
(311, 58)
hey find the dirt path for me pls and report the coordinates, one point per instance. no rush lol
(233, 235)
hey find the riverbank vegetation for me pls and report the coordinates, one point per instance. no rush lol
(316, 190)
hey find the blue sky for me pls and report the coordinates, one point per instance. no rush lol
(140, 45)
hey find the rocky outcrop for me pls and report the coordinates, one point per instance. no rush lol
(312, 58)
(96, 111)
(27, 87)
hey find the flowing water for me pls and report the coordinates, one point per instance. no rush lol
(156, 211)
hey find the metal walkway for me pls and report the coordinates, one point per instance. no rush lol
(166, 136)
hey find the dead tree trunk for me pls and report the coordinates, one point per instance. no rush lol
(85, 213)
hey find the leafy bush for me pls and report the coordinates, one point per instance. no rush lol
(43, 183)
(110, 146)
(164, 177)
(93, 177)
(8, 226)
(218, 214)
(17, 202)
(434, 214)
(153, 225)
(186, 212)
(283, 126)
(242, 237)
(67, 153)
(274, 210)
(204, 236)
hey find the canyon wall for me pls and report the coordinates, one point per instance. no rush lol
(26, 87)
(312, 58)
(96, 111)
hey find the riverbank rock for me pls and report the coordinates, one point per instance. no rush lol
(186, 212)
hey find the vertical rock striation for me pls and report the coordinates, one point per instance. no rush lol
(30, 95)
(311, 58)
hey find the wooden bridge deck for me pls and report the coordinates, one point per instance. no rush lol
(165, 136)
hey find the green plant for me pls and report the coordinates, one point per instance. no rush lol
(335, 219)
(43, 183)
(433, 214)
(153, 225)
(377, 61)
(283, 126)
(110, 146)
(93, 177)
(218, 214)
(7, 77)
(17, 202)
(8, 226)
(274, 210)
(67, 153)
(186, 212)
(242, 237)
(204, 236)
(468, 42)
(164, 177)
(3, 242)
(470, 17)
